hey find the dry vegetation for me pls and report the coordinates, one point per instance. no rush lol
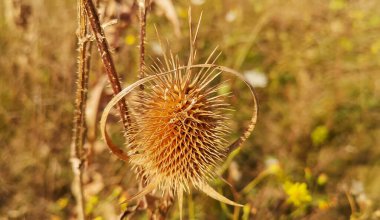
(313, 155)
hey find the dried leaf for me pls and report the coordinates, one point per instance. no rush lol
(92, 108)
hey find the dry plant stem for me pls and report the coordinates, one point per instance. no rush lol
(77, 152)
(110, 69)
(143, 11)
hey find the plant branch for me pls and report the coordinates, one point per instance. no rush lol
(77, 152)
(109, 68)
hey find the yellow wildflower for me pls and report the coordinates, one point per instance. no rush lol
(130, 39)
(62, 203)
(298, 194)
(322, 179)
(323, 204)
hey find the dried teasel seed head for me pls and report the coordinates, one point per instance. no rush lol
(176, 138)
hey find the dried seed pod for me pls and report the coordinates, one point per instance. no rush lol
(186, 164)
(176, 139)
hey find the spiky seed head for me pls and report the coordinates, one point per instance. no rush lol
(177, 138)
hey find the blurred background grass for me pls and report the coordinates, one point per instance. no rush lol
(314, 154)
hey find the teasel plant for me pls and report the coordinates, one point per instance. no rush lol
(174, 117)
(176, 139)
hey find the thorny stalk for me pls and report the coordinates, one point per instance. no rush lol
(109, 68)
(77, 151)
(142, 14)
